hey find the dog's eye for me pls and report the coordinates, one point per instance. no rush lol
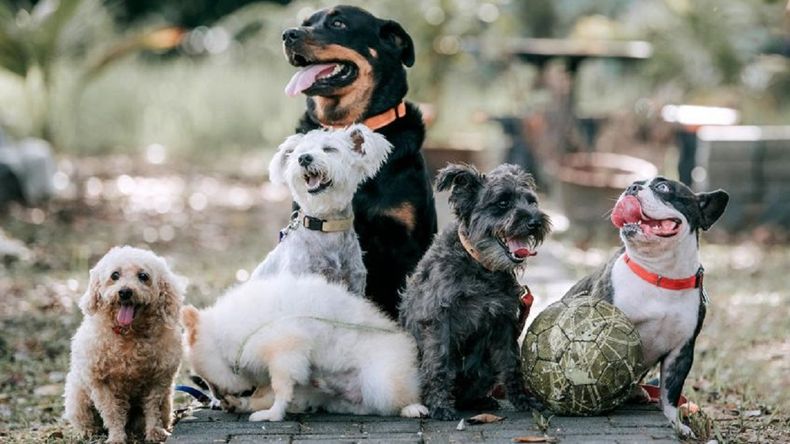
(115, 275)
(663, 187)
(503, 203)
(143, 276)
(337, 23)
(329, 149)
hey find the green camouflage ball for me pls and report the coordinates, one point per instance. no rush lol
(581, 356)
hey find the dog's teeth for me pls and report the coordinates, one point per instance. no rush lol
(337, 69)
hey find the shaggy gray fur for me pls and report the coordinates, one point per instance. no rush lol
(336, 256)
(463, 315)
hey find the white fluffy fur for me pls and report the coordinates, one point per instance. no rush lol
(268, 328)
(113, 374)
(345, 166)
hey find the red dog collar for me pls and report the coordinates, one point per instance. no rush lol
(664, 282)
(379, 120)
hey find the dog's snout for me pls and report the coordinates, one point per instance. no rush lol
(534, 223)
(305, 160)
(125, 293)
(634, 189)
(291, 35)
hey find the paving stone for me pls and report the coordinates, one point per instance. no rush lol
(331, 428)
(403, 426)
(400, 438)
(635, 420)
(250, 439)
(453, 437)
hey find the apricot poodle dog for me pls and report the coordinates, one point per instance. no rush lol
(127, 350)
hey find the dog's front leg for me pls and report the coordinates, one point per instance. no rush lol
(507, 360)
(153, 406)
(437, 370)
(114, 411)
(287, 367)
(674, 369)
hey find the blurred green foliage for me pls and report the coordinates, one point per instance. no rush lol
(221, 89)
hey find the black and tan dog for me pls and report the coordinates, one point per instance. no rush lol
(352, 71)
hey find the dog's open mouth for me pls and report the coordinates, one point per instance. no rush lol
(125, 315)
(316, 182)
(517, 248)
(313, 75)
(628, 213)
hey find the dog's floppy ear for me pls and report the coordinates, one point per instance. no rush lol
(171, 292)
(370, 145)
(190, 316)
(712, 206)
(277, 164)
(91, 300)
(394, 34)
(464, 182)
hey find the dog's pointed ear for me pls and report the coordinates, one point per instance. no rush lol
(91, 299)
(371, 146)
(280, 158)
(393, 34)
(712, 206)
(190, 317)
(357, 140)
(464, 182)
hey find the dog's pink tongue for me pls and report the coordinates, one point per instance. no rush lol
(626, 211)
(125, 315)
(305, 77)
(519, 248)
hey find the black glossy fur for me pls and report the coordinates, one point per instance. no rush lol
(395, 216)
(463, 315)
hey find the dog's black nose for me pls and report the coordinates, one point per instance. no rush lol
(634, 189)
(125, 293)
(305, 159)
(290, 35)
(533, 223)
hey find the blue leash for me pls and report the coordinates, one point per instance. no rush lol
(195, 393)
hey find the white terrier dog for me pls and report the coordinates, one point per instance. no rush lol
(323, 170)
(303, 343)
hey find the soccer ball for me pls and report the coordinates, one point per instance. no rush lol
(581, 356)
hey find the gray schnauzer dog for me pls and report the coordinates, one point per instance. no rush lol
(462, 302)
(323, 170)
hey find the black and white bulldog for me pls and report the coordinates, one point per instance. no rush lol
(656, 279)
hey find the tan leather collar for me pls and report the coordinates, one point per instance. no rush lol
(467, 244)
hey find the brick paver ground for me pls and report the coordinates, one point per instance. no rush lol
(629, 424)
(549, 276)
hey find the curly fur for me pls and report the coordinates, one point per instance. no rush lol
(303, 343)
(121, 379)
(463, 312)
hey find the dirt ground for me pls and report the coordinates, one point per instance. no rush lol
(214, 227)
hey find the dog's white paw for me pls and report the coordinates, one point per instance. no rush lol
(414, 411)
(683, 430)
(267, 415)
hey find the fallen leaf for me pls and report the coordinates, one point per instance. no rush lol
(484, 418)
(751, 413)
(535, 439)
(461, 425)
